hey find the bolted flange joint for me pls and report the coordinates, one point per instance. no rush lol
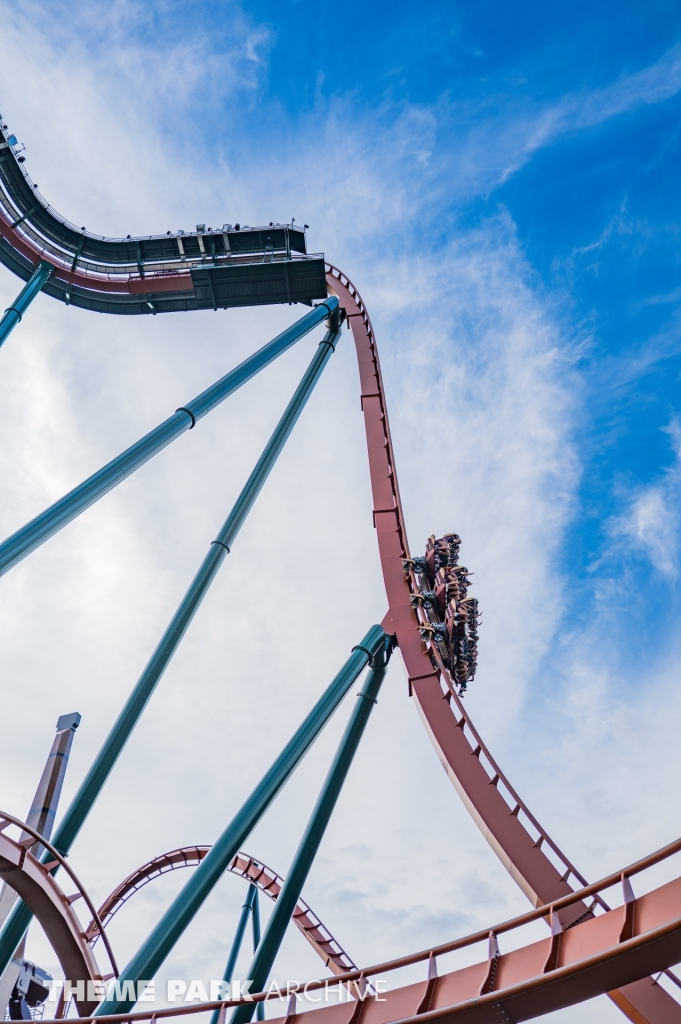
(335, 319)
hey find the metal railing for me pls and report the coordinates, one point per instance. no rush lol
(549, 910)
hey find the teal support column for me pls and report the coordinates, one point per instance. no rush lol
(247, 908)
(54, 518)
(15, 312)
(19, 919)
(146, 962)
(307, 851)
(260, 1010)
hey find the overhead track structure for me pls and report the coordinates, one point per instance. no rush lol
(207, 269)
(234, 265)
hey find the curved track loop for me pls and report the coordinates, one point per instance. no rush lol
(37, 888)
(535, 862)
(267, 881)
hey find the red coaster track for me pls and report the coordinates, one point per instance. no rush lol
(268, 881)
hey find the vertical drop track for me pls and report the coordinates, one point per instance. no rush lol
(502, 822)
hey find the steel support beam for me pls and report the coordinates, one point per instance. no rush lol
(15, 312)
(146, 962)
(44, 805)
(41, 819)
(246, 910)
(54, 518)
(312, 837)
(260, 1009)
(18, 921)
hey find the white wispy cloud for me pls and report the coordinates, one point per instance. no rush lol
(508, 131)
(650, 523)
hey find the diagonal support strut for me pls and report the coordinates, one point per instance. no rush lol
(20, 917)
(146, 962)
(54, 518)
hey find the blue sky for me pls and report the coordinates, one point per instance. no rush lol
(501, 183)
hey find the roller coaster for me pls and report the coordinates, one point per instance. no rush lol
(590, 948)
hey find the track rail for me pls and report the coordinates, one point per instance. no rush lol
(532, 858)
(32, 880)
(566, 967)
(267, 881)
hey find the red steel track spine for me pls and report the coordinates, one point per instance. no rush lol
(501, 825)
(267, 881)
